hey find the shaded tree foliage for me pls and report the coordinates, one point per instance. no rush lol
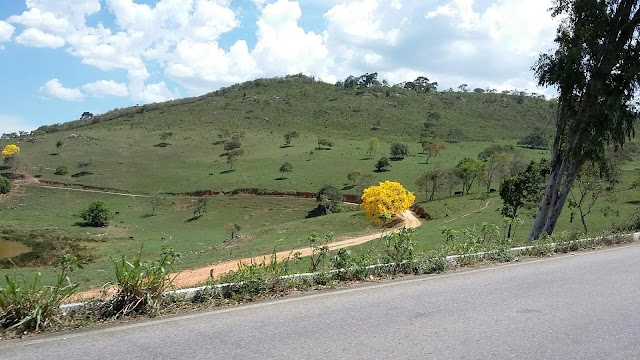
(596, 70)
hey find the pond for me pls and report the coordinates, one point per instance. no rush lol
(9, 249)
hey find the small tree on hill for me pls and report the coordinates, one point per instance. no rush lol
(329, 200)
(231, 145)
(353, 176)
(285, 168)
(431, 149)
(535, 140)
(200, 207)
(324, 143)
(399, 151)
(454, 135)
(155, 200)
(9, 154)
(591, 185)
(97, 214)
(233, 155)
(5, 185)
(431, 181)
(373, 145)
(383, 164)
(523, 190)
(233, 229)
(289, 136)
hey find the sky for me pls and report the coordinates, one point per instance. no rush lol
(59, 58)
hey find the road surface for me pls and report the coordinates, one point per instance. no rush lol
(582, 306)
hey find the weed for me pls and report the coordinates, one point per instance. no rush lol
(140, 285)
(30, 305)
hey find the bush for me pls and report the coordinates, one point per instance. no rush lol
(399, 151)
(5, 185)
(383, 164)
(329, 200)
(97, 215)
(140, 285)
(61, 170)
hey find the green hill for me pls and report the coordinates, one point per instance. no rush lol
(177, 147)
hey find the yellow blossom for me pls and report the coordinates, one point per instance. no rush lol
(387, 198)
(10, 150)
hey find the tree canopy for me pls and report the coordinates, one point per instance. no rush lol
(596, 70)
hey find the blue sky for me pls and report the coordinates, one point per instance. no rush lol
(61, 58)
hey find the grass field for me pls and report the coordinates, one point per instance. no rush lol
(120, 152)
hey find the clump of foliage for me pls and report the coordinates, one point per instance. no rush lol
(319, 249)
(290, 136)
(324, 144)
(97, 214)
(200, 207)
(535, 140)
(61, 170)
(399, 151)
(5, 185)
(329, 200)
(140, 285)
(383, 164)
(285, 168)
(30, 305)
(385, 199)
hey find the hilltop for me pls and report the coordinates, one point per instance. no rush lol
(300, 103)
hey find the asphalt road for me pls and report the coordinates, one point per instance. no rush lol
(582, 306)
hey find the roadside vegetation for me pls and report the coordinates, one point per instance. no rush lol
(255, 168)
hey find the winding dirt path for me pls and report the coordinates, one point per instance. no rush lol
(467, 214)
(196, 276)
(200, 275)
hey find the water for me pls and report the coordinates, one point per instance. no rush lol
(9, 249)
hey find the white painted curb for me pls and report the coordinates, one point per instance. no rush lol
(190, 293)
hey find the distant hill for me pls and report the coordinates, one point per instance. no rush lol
(300, 103)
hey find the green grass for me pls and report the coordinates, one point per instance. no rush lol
(119, 152)
(268, 223)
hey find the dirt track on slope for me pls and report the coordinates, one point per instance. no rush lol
(195, 276)
(191, 277)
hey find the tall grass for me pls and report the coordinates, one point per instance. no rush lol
(140, 285)
(29, 305)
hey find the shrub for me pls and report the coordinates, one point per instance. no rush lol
(329, 200)
(140, 285)
(97, 214)
(399, 151)
(231, 145)
(383, 164)
(61, 170)
(5, 185)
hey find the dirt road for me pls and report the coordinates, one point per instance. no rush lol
(196, 276)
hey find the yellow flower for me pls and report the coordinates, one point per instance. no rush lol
(385, 199)
(10, 150)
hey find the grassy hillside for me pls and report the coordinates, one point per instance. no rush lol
(177, 147)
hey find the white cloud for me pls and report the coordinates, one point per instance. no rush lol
(106, 87)
(36, 38)
(483, 42)
(146, 93)
(54, 88)
(6, 30)
(284, 47)
(10, 124)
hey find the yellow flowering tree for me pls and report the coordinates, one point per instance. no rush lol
(379, 202)
(9, 152)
